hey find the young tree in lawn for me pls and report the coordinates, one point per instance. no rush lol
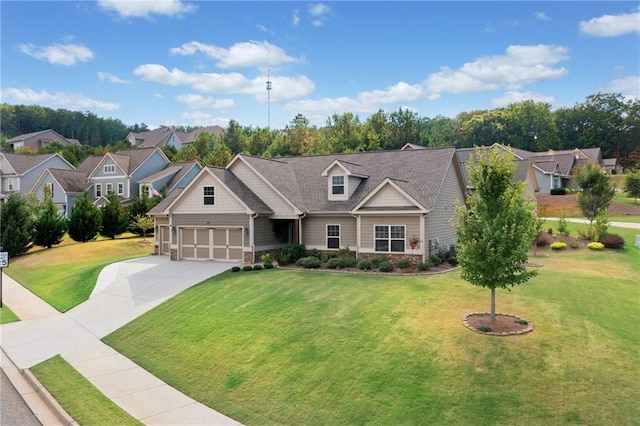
(144, 223)
(496, 230)
(49, 227)
(632, 185)
(596, 193)
(85, 220)
(16, 221)
(114, 218)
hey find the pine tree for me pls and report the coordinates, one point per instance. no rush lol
(85, 220)
(49, 227)
(495, 232)
(114, 218)
(15, 236)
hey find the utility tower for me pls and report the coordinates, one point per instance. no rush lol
(268, 100)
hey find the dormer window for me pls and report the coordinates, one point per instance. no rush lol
(337, 185)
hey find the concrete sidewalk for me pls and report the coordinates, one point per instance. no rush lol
(124, 291)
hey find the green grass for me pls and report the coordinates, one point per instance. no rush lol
(86, 404)
(7, 315)
(622, 197)
(65, 276)
(299, 347)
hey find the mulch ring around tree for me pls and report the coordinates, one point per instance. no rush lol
(504, 325)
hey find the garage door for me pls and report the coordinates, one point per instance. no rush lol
(164, 240)
(211, 243)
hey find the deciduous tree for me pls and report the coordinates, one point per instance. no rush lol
(632, 185)
(596, 191)
(496, 230)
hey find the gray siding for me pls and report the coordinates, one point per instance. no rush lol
(263, 232)
(437, 225)
(30, 178)
(209, 220)
(58, 193)
(314, 231)
(187, 178)
(153, 164)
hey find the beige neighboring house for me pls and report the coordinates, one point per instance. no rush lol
(37, 140)
(371, 202)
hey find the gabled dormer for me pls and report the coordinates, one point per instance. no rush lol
(343, 179)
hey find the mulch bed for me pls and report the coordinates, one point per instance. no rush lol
(504, 325)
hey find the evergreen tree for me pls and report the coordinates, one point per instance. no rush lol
(49, 227)
(114, 218)
(15, 236)
(85, 220)
(496, 230)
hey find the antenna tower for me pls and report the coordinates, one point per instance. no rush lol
(268, 100)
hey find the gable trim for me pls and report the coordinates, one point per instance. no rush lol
(385, 182)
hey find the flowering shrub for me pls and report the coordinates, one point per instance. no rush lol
(595, 245)
(559, 245)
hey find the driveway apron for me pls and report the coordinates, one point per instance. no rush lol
(123, 292)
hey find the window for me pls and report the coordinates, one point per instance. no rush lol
(333, 236)
(98, 190)
(10, 184)
(209, 195)
(337, 185)
(389, 238)
(109, 168)
(48, 189)
(109, 188)
(120, 188)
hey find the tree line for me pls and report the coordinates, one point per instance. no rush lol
(603, 120)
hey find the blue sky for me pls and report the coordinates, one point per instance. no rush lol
(201, 63)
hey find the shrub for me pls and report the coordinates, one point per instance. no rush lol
(558, 191)
(345, 252)
(601, 226)
(266, 258)
(422, 266)
(290, 253)
(268, 265)
(544, 240)
(247, 268)
(378, 260)
(309, 262)
(236, 269)
(314, 253)
(335, 263)
(435, 260)
(404, 263)
(349, 262)
(563, 227)
(550, 231)
(365, 264)
(559, 245)
(453, 261)
(594, 245)
(587, 234)
(574, 245)
(257, 267)
(386, 267)
(612, 241)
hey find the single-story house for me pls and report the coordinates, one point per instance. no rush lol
(371, 202)
(37, 140)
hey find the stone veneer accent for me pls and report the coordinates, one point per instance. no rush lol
(393, 257)
(173, 254)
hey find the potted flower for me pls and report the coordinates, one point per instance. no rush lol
(413, 242)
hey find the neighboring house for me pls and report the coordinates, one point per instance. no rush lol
(166, 136)
(121, 171)
(18, 173)
(370, 202)
(172, 177)
(63, 186)
(37, 140)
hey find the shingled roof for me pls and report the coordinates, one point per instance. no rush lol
(420, 173)
(23, 163)
(70, 180)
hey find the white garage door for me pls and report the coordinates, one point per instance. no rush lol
(211, 243)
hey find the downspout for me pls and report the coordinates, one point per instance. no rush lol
(424, 234)
(302, 216)
(252, 217)
(358, 233)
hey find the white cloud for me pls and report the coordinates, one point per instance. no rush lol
(146, 8)
(194, 101)
(284, 88)
(629, 87)
(611, 25)
(295, 20)
(541, 16)
(364, 102)
(158, 96)
(319, 13)
(513, 96)
(520, 65)
(244, 54)
(62, 54)
(74, 101)
(105, 76)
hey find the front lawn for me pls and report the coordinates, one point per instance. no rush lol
(64, 276)
(300, 347)
(7, 315)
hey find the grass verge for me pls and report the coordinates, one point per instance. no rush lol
(65, 276)
(298, 347)
(7, 315)
(83, 401)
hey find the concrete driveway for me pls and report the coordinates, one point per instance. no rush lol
(124, 291)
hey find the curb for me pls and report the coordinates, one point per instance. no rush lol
(49, 400)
